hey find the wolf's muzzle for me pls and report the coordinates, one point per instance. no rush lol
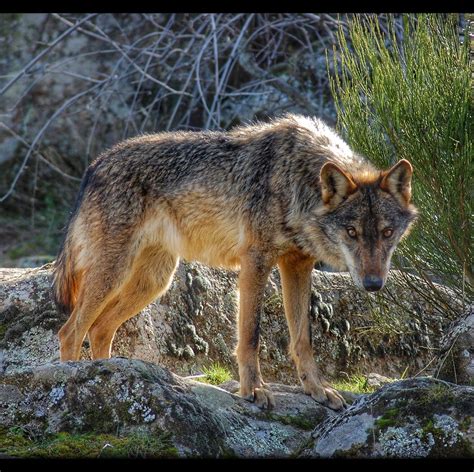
(372, 283)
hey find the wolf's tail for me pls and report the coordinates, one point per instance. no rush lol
(65, 279)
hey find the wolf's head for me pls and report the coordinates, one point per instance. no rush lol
(363, 218)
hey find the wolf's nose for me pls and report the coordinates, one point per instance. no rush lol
(372, 283)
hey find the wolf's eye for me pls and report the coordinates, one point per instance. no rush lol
(387, 233)
(351, 232)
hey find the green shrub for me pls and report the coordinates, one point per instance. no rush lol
(404, 90)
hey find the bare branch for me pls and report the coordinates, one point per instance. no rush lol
(39, 135)
(44, 52)
(40, 156)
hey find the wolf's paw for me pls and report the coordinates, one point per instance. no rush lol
(262, 397)
(327, 396)
(335, 399)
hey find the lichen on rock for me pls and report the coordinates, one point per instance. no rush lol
(133, 396)
(418, 417)
(405, 443)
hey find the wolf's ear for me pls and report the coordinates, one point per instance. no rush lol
(336, 185)
(397, 181)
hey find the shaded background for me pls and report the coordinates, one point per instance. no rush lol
(73, 85)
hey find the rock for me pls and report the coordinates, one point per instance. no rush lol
(34, 261)
(456, 357)
(418, 417)
(194, 325)
(375, 381)
(200, 420)
(190, 327)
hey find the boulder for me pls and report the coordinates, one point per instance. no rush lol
(413, 418)
(126, 397)
(456, 357)
(113, 400)
(374, 380)
(193, 325)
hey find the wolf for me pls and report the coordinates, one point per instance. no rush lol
(288, 192)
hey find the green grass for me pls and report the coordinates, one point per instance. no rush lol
(14, 442)
(355, 383)
(215, 374)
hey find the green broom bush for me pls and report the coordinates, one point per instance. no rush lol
(405, 91)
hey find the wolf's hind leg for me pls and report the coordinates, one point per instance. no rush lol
(295, 271)
(150, 276)
(252, 280)
(94, 293)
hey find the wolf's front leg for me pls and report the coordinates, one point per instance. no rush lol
(253, 276)
(295, 271)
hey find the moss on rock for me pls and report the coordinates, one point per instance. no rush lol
(15, 443)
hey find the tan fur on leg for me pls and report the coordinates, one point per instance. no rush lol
(295, 270)
(252, 279)
(87, 309)
(149, 278)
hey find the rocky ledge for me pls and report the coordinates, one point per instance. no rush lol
(124, 398)
(145, 404)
